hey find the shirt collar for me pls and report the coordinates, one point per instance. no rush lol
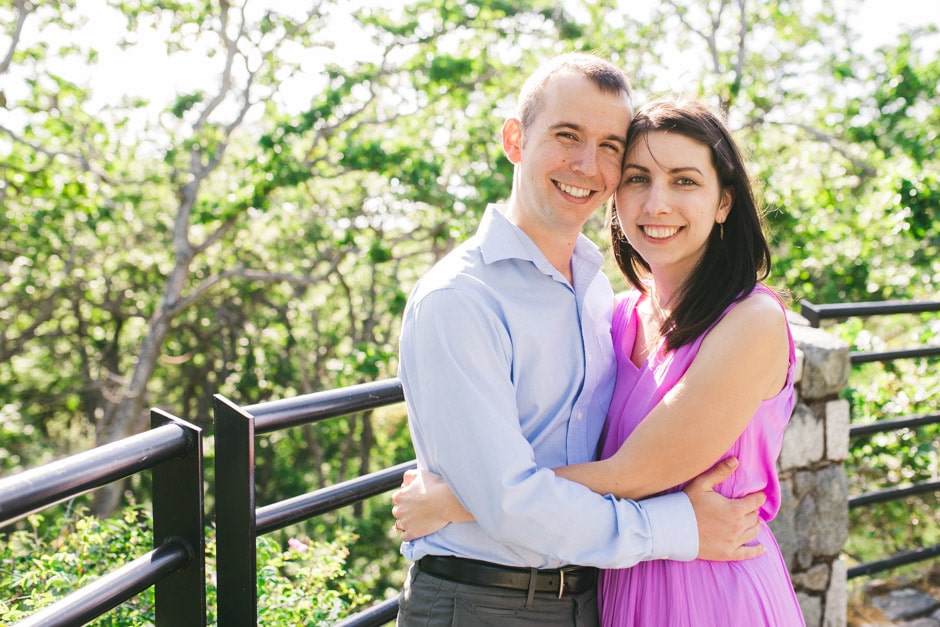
(501, 239)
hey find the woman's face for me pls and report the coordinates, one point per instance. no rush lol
(669, 200)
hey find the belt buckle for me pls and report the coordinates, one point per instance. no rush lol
(561, 582)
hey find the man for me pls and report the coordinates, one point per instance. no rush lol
(508, 369)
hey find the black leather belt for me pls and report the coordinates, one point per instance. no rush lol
(561, 581)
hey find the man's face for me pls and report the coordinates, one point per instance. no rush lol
(570, 158)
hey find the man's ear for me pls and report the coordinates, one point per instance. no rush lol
(512, 139)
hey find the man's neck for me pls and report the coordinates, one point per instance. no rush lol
(557, 244)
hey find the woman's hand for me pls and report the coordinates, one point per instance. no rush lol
(424, 504)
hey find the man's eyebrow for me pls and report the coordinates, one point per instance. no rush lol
(577, 127)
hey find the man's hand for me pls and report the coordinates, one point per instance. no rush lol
(724, 525)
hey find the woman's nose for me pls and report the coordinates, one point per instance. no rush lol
(657, 201)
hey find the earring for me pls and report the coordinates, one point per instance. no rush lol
(721, 231)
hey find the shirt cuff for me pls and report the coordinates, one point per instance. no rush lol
(673, 527)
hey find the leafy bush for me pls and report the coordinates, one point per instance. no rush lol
(885, 391)
(302, 583)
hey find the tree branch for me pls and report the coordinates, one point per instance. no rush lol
(23, 9)
(831, 141)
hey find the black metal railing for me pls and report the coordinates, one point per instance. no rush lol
(816, 314)
(172, 451)
(239, 522)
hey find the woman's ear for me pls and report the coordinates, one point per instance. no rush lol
(724, 204)
(512, 139)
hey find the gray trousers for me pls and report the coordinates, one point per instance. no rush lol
(430, 601)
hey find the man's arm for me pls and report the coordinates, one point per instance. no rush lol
(455, 365)
(425, 504)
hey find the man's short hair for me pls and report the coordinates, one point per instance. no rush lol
(608, 77)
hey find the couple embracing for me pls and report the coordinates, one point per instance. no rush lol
(583, 458)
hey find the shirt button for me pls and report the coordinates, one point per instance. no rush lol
(580, 415)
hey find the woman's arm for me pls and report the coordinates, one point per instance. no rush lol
(742, 361)
(424, 504)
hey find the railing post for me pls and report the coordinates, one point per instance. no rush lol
(178, 517)
(811, 312)
(236, 549)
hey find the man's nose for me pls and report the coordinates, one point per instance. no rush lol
(585, 160)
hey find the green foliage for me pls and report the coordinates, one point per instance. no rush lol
(859, 220)
(305, 583)
(41, 563)
(301, 582)
(185, 102)
(883, 391)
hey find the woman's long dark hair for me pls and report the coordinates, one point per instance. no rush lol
(730, 267)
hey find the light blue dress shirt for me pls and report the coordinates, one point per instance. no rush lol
(501, 387)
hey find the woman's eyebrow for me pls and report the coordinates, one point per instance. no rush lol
(676, 170)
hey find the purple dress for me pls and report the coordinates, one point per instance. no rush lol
(665, 593)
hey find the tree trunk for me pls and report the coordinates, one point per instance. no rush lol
(127, 415)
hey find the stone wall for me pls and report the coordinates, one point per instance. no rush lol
(812, 524)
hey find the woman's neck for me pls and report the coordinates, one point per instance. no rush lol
(662, 293)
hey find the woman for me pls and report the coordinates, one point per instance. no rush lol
(705, 369)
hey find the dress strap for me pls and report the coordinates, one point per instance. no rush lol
(626, 302)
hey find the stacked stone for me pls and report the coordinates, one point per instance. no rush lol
(812, 525)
